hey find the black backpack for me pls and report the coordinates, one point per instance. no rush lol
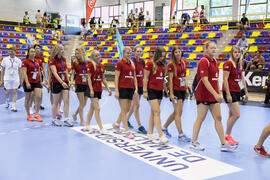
(195, 84)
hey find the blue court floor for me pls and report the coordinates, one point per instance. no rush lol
(39, 151)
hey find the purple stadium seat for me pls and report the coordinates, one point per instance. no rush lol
(266, 41)
(198, 42)
(264, 34)
(199, 56)
(190, 36)
(253, 26)
(185, 49)
(210, 28)
(268, 49)
(233, 42)
(219, 35)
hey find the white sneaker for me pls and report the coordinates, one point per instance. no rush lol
(13, 108)
(227, 147)
(86, 129)
(116, 128)
(103, 131)
(61, 110)
(129, 135)
(196, 146)
(163, 139)
(6, 105)
(153, 137)
(31, 110)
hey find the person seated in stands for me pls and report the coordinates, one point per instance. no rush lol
(111, 30)
(100, 22)
(245, 61)
(84, 31)
(92, 23)
(243, 24)
(115, 22)
(185, 18)
(26, 20)
(195, 17)
(56, 34)
(243, 44)
(257, 62)
(148, 19)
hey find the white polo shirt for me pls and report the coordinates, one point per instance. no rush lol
(12, 66)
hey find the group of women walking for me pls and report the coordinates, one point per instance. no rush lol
(135, 78)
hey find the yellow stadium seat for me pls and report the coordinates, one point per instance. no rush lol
(184, 36)
(109, 49)
(40, 31)
(116, 56)
(90, 49)
(198, 49)
(45, 53)
(39, 36)
(55, 42)
(36, 42)
(9, 46)
(45, 48)
(146, 49)
(95, 32)
(166, 48)
(129, 31)
(172, 30)
(196, 29)
(28, 35)
(211, 35)
(187, 72)
(102, 43)
(227, 49)
(145, 56)
(190, 42)
(88, 54)
(267, 26)
(149, 31)
(138, 37)
(85, 44)
(46, 60)
(224, 28)
(221, 65)
(142, 43)
(251, 41)
(171, 42)
(18, 29)
(154, 37)
(255, 34)
(109, 38)
(22, 41)
(114, 44)
(104, 61)
(253, 49)
(192, 56)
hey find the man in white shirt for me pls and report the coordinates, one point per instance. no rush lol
(38, 18)
(148, 19)
(243, 44)
(11, 76)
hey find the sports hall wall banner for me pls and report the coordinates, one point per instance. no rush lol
(256, 80)
(90, 4)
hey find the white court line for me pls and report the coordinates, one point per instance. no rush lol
(172, 159)
(14, 131)
(25, 129)
(3, 133)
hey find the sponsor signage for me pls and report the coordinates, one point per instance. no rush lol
(256, 80)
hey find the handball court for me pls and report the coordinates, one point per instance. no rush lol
(39, 151)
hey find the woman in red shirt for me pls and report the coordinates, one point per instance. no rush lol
(125, 88)
(96, 77)
(178, 91)
(208, 96)
(233, 83)
(153, 86)
(32, 83)
(60, 84)
(79, 67)
(135, 105)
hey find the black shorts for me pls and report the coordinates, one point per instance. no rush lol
(33, 86)
(140, 90)
(235, 96)
(207, 103)
(56, 88)
(180, 94)
(80, 88)
(126, 93)
(96, 94)
(154, 94)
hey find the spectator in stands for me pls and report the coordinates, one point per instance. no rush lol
(55, 22)
(92, 23)
(11, 76)
(136, 16)
(56, 34)
(45, 20)
(114, 22)
(267, 93)
(148, 19)
(243, 44)
(185, 18)
(173, 20)
(26, 20)
(130, 19)
(84, 31)
(243, 24)
(257, 62)
(59, 20)
(141, 17)
(100, 22)
(38, 18)
(203, 19)
(245, 61)
(195, 16)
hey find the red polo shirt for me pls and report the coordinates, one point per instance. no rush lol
(96, 76)
(155, 80)
(126, 78)
(234, 76)
(32, 68)
(181, 74)
(81, 71)
(61, 68)
(139, 65)
(207, 67)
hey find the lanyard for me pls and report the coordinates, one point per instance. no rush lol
(34, 65)
(83, 67)
(62, 65)
(239, 73)
(181, 67)
(12, 62)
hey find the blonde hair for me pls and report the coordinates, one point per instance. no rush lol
(157, 55)
(239, 62)
(137, 47)
(207, 44)
(92, 58)
(173, 58)
(55, 51)
(82, 54)
(126, 48)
